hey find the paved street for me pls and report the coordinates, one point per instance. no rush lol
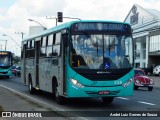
(156, 80)
(142, 100)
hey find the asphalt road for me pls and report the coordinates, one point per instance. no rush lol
(142, 101)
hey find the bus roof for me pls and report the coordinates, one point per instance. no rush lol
(5, 51)
(67, 25)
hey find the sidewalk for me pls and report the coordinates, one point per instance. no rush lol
(10, 101)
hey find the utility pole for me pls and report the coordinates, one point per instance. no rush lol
(60, 17)
(1, 47)
(22, 33)
(12, 39)
(5, 44)
(52, 18)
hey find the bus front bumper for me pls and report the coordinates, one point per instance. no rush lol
(8, 73)
(101, 91)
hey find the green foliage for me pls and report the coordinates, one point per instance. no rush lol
(16, 59)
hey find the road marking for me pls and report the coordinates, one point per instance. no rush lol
(146, 103)
(123, 98)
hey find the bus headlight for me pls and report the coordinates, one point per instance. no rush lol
(127, 83)
(76, 83)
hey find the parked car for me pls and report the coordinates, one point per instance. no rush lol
(141, 80)
(156, 70)
(18, 71)
(149, 70)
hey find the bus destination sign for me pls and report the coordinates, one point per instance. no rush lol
(4, 53)
(99, 27)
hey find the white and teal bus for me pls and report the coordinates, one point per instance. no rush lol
(80, 59)
(5, 64)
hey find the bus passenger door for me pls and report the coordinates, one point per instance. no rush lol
(64, 53)
(37, 51)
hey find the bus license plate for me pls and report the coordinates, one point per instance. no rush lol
(103, 92)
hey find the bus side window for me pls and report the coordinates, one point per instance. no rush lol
(58, 38)
(50, 40)
(43, 47)
(56, 50)
(56, 46)
(27, 49)
(49, 45)
(32, 49)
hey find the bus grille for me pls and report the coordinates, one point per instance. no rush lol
(102, 77)
(3, 72)
(95, 75)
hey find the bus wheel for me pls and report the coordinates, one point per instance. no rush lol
(107, 100)
(59, 99)
(31, 89)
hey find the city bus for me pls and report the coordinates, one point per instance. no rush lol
(5, 64)
(80, 59)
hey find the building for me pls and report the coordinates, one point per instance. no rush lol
(33, 30)
(146, 35)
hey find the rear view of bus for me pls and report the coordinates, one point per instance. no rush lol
(5, 64)
(100, 60)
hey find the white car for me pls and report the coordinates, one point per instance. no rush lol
(156, 70)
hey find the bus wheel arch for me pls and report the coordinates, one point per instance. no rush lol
(30, 84)
(58, 97)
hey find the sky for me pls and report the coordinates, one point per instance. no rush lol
(14, 15)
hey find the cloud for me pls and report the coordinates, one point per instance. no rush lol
(15, 18)
(99, 9)
(43, 8)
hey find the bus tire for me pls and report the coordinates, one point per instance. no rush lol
(107, 100)
(31, 89)
(59, 99)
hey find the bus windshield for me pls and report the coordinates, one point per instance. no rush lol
(101, 51)
(5, 60)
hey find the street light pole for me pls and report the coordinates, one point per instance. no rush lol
(5, 44)
(39, 24)
(22, 33)
(1, 47)
(52, 18)
(11, 39)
